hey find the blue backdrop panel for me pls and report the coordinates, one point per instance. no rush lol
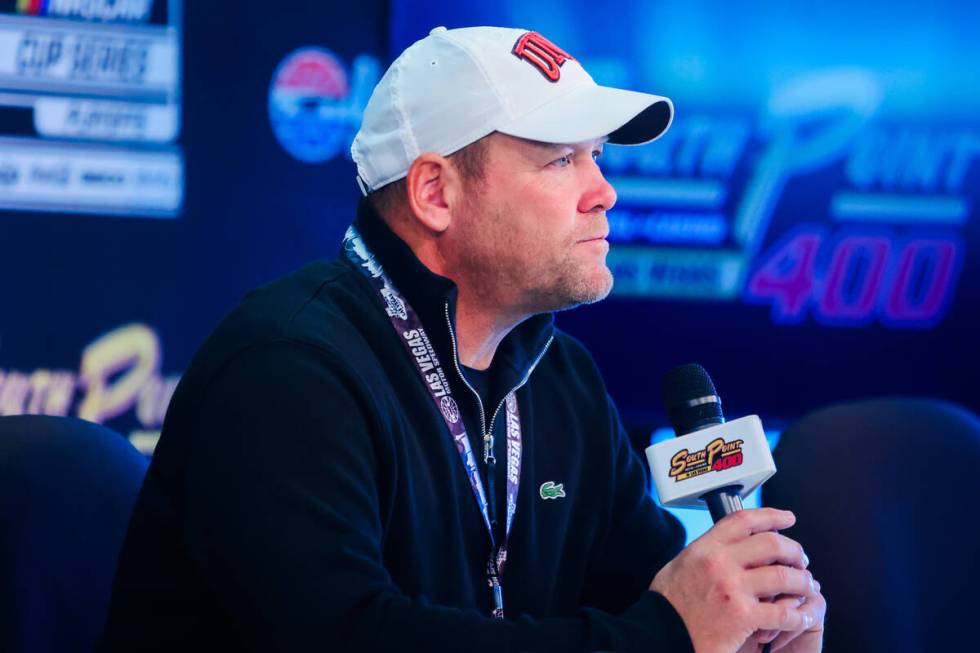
(807, 228)
(101, 312)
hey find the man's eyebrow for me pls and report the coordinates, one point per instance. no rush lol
(556, 147)
(547, 147)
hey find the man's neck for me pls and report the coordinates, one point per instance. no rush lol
(482, 321)
(479, 330)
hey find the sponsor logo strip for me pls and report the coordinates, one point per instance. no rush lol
(47, 177)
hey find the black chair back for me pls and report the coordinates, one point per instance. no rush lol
(886, 493)
(67, 489)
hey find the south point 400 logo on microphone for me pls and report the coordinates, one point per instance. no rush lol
(315, 106)
(718, 456)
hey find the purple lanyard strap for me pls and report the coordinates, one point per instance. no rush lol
(413, 336)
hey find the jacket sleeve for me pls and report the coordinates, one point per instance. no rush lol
(284, 522)
(640, 538)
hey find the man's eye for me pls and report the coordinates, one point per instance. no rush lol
(596, 154)
(563, 161)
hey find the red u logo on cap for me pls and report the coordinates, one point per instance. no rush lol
(542, 53)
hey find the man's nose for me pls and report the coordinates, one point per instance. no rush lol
(600, 195)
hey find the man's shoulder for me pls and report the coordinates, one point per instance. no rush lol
(321, 307)
(569, 359)
(313, 305)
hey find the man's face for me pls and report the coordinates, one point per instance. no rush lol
(531, 233)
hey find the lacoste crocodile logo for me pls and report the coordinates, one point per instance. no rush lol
(551, 490)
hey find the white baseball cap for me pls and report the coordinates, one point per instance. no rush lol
(456, 86)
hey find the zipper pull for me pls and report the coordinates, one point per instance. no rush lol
(488, 456)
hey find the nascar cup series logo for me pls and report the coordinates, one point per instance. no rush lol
(314, 108)
(95, 10)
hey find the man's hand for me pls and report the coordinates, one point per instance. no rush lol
(806, 640)
(721, 582)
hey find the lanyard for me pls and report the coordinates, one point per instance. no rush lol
(412, 334)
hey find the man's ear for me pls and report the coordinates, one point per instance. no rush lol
(431, 184)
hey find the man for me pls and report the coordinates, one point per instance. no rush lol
(397, 450)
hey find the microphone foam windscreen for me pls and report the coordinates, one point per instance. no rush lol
(685, 384)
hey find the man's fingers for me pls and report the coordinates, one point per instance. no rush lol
(774, 580)
(782, 615)
(763, 549)
(814, 611)
(766, 636)
(740, 525)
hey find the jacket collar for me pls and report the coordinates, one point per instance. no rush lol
(429, 294)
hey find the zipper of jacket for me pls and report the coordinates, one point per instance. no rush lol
(520, 384)
(479, 402)
(488, 456)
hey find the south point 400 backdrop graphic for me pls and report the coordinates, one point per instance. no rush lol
(119, 374)
(880, 238)
(807, 228)
(809, 179)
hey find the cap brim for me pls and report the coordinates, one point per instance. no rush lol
(626, 117)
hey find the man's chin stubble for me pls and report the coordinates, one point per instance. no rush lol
(588, 292)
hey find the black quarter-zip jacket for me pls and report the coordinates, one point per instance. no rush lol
(305, 494)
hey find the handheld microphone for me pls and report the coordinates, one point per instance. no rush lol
(712, 462)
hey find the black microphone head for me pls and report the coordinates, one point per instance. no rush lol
(691, 399)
